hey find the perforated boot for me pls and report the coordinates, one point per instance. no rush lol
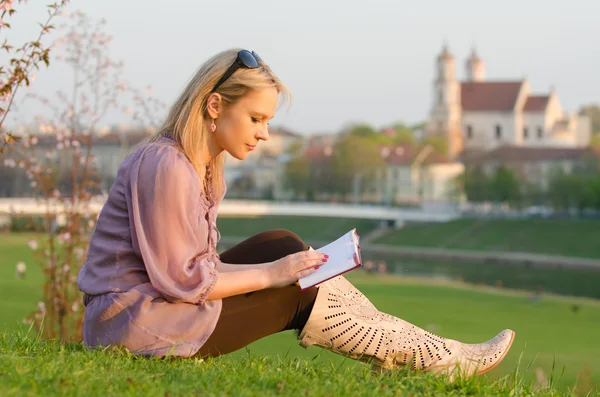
(344, 321)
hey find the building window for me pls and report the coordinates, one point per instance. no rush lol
(469, 131)
(525, 132)
(540, 132)
(498, 131)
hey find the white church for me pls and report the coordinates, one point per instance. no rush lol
(483, 115)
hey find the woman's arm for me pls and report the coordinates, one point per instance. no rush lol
(241, 279)
(229, 267)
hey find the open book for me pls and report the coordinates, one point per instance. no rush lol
(344, 255)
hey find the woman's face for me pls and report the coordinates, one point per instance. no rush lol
(242, 125)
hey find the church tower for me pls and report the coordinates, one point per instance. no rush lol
(475, 68)
(445, 118)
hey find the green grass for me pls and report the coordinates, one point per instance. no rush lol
(572, 237)
(32, 367)
(548, 331)
(309, 228)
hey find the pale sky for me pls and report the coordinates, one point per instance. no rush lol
(346, 61)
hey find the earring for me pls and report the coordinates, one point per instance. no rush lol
(213, 126)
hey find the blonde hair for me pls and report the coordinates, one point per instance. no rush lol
(187, 118)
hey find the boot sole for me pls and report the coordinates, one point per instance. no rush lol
(512, 338)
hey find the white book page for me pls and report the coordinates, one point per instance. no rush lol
(341, 258)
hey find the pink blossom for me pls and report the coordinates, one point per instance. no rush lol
(76, 144)
(75, 307)
(33, 184)
(10, 163)
(91, 223)
(60, 146)
(79, 252)
(42, 307)
(6, 5)
(64, 237)
(33, 244)
(21, 268)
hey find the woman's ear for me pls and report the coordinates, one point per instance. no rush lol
(213, 105)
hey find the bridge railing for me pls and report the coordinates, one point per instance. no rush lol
(31, 206)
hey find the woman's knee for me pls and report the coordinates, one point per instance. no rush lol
(289, 239)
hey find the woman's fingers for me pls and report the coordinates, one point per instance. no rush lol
(310, 264)
(308, 255)
(306, 272)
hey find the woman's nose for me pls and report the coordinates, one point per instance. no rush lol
(264, 134)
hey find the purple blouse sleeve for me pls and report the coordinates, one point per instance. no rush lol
(165, 211)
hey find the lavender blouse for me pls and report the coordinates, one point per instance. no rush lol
(152, 258)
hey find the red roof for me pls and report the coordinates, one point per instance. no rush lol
(490, 95)
(536, 103)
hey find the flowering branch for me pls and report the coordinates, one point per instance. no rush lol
(22, 62)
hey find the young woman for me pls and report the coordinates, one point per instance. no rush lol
(154, 283)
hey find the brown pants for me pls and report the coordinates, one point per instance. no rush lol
(249, 317)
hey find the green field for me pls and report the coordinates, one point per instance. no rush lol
(547, 330)
(308, 228)
(572, 237)
(566, 237)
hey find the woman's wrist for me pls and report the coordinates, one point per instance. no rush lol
(267, 279)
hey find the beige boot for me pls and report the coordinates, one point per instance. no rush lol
(344, 321)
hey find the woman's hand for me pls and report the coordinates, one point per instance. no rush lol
(293, 267)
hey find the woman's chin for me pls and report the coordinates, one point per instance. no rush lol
(240, 155)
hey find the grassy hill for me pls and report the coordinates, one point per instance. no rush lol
(553, 330)
(567, 237)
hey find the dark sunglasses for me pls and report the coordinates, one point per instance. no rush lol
(245, 59)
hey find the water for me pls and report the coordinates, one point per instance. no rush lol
(563, 281)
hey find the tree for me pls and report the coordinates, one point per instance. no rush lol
(354, 160)
(22, 62)
(440, 144)
(403, 134)
(63, 173)
(593, 112)
(363, 130)
(475, 185)
(505, 186)
(297, 174)
(595, 141)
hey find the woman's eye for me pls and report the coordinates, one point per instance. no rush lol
(255, 120)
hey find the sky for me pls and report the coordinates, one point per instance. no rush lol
(345, 61)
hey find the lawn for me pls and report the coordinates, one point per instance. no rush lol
(561, 329)
(308, 228)
(568, 237)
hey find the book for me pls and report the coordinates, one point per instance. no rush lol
(344, 255)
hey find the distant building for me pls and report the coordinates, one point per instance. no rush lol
(537, 166)
(476, 114)
(409, 175)
(261, 173)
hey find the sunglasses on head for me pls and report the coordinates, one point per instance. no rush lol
(245, 59)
